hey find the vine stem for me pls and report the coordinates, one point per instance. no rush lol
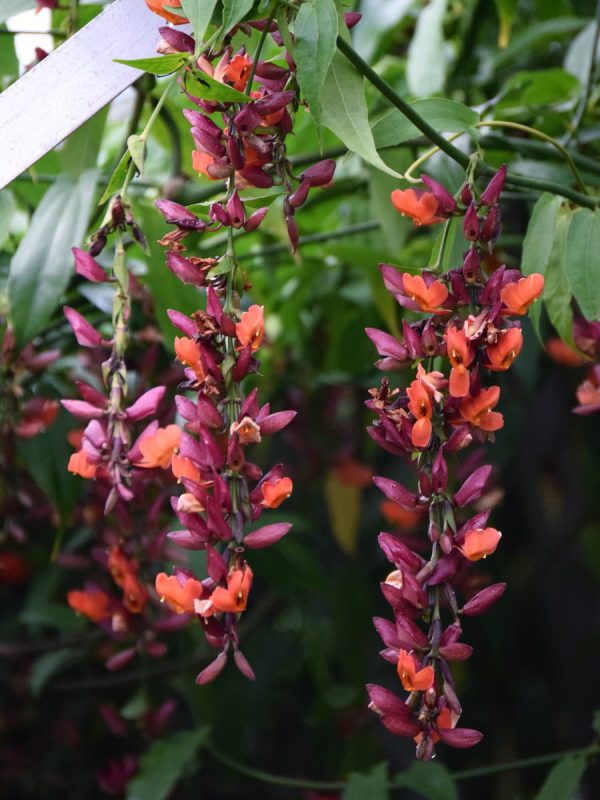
(447, 146)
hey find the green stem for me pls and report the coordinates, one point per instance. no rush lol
(525, 763)
(446, 146)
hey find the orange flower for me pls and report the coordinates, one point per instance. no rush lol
(502, 354)
(185, 468)
(157, 7)
(79, 465)
(413, 679)
(275, 492)
(480, 542)
(135, 595)
(518, 296)
(237, 72)
(251, 327)
(201, 161)
(158, 448)
(432, 381)
(478, 410)
(92, 604)
(398, 516)
(428, 298)
(420, 407)
(235, 597)
(247, 430)
(588, 393)
(188, 353)
(560, 352)
(178, 594)
(461, 354)
(421, 207)
(445, 719)
(118, 566)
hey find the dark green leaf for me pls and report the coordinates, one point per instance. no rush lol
(534, 37)
(557, 293)
(344, 111)
(202, 85)
(43, 264)
(563, 779)
(427, 60)
(444, 115)
(316, 30)
(199, 13)
(582, 261)
(538, 243)
(234, 11)
(48, 665)
(372, 786)
(159, 65)
(538, 88)
(117, 178)
(429, 779)
(164, 763)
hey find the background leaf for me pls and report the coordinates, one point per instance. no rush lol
(582, 261)
(427, 60)
(199, 13)
(447, 116)
(557, 293)
(429, 779)
(344, 505)
(316, 30)
(234, 11)
(563, 779)
(43, 264)
(372, 786)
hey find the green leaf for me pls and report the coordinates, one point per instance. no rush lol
(540, 87)
(429, 779)
(199, 13)
(80, 151)
(7, 209)
(344, 111)
(582, 261)
(538, 243)
(159, 65)
(137, 147)
(535, 37)
(316, 31)
(202, 85)
(48, 665)
(234, 11)
(117, 178)
(11, 7)
(447, 116)
(427, 60)
(164, 763)
(372, 786)
(43, 264)
(557, 292)
(579, 55)
(507, 11)
(563, 779)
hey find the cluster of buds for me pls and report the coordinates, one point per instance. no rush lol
(224, 491)
(471, 326)
(244, 140)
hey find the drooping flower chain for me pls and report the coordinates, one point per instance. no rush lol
(471, 328)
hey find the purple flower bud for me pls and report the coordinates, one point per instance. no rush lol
(176, 214)
(293, 233)
(235, 211)
(483, 600)
(460, 737)
(208, 413)
(243, 664)
(257, 177)
(439, 473)
(120, 660)
(401, 725)
(466, 196)
(446, 203)
(87, 266)
(183, 322)
(90, 394)
(187, 540)
(184, 269)
(460, 438)
(352, 18)
(491, 226)
(83, 410)
(247, 119)
(409, 630)
(267, 535)
(321, 173)
(276, 422)
(429, 341)
(208, 143)
(146, 404)
(242, 365)
(491, 193)
(396, 492)
(214, 669)
(387, 631)
(491, 290)
(215, 565)
(471, 265)
(218, 214)
(398, 553)
(392, 279)
(473, 487)
(385, 702)
(179, 41)
(387, 345)
(298, 197)
(471, 224)
(86, 334)
(274, 102)
(254, 220)
(459, 289)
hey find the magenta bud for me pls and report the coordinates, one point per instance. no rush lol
(412, 340)
(271, 72)
(214, 669)
(247, 119)
(456, 651)
(473, 487)
(446, 203)
(267, 535)
(409, 630)
(88, 267)
(176, 214)
(446, 543)
(219, 170)
(83, 410)
(483, 600)
(293, 233)
(460, 438)
(218, 214)
(257, 177)
(466, 196)
(235, 211)
(387, 345)
(273, 102)
(215, 565)
(321, 173)
(429, 341)
(234, 154)
(397, 552)
(183, 322)
(352, 18)
(491, 193)
(254, 220)
(184, 269)
(187, 540)
(273, 423)
(243, 664)
(460, 737)
(384, 702)
(471, 224)
(471, 266)
(208, 143)
(120, 660)
(298, 198)
(392, 279)
(86, 334)
(242, 365)
(387, 631)
(396, 492)
(400, 725)
(202, 122)
(208, 413)
(179, 41)
(491, 226)
(146, 404)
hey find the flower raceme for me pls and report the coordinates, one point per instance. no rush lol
(468, 327)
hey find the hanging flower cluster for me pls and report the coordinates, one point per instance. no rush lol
(470, 327)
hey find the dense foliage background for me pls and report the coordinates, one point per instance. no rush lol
(532, 685)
